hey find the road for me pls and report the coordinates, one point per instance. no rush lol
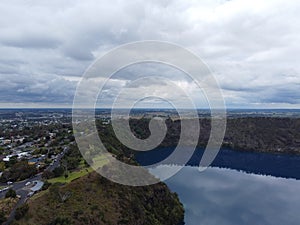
(22, 191)
(21, 188)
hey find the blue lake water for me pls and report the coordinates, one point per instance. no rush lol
(225, 194)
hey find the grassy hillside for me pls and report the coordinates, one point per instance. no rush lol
(6, 205)
(94, 200)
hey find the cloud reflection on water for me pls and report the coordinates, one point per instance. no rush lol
(224, 196)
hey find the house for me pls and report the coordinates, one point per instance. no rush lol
(52, 135)
(6, 159)
(23, 155)
(19, 140)
(7, 141)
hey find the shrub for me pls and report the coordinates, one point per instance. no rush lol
(47, 174)
(2, 217)
(61, 221)
(58, 171)
(46, 185)
(21, 211)
(11, 193)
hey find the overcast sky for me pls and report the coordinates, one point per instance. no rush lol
(252, 47)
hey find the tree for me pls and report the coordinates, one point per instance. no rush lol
(58, 171)
(46, 185)
(47, 174)
(12, 161)
(66, 176)
(11, 193)
(19, 171)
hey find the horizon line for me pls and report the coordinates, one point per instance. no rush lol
(107, 108)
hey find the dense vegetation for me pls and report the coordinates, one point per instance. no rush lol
(10, 193)
(19, 171)
(37, 131)
(93, 199)
(265, 134)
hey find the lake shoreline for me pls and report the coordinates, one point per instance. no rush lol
(278, 165)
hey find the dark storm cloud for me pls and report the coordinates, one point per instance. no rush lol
(39, 90)
(290, 94)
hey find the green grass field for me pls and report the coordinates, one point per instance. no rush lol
(72, 176)
(99, 162)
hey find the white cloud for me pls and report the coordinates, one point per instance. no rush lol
(252, 46)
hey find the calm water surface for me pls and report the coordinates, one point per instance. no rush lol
(232, 196)
(224, 196)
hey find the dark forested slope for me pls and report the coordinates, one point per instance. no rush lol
(265, 134)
